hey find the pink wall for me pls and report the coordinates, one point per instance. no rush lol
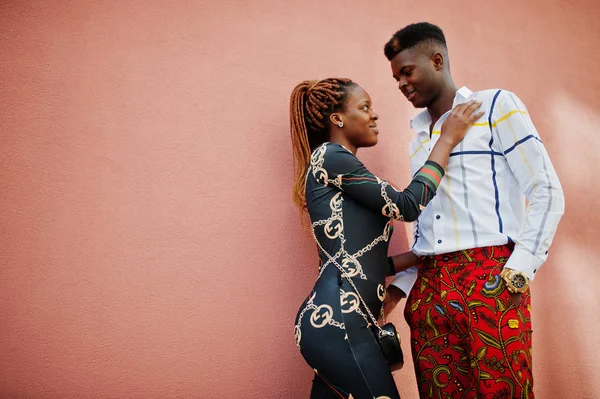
(150, 248)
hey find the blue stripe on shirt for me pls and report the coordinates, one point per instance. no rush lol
(494, 161)
(531, 136)
(475, 153)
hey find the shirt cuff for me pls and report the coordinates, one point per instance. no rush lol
(523, 261)
(405, 279)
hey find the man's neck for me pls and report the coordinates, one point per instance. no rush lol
(443, 103)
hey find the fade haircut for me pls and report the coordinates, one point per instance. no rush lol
(412, 35)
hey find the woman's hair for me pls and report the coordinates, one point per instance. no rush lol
(311, 104)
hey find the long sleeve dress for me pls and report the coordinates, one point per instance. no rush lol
(352, 213)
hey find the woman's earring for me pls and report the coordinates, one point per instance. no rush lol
(341, 124)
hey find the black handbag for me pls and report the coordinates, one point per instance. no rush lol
(389, 342)
(386, 336)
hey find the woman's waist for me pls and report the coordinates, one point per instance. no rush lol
(369, 291)
(362, 269)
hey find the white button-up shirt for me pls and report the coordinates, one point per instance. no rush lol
(481, 199)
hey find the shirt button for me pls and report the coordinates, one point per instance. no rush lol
(438, 216)
(534, 271)
(446, 258)
(439, 241)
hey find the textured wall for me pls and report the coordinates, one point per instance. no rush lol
(149, 247)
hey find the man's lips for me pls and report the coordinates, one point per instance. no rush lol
(410, 95)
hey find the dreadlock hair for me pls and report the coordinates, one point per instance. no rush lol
(311, 104)
(412, 35)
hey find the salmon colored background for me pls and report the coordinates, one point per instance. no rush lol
(149, 246)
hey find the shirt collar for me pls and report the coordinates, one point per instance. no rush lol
(421, 122)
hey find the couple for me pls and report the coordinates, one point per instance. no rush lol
(477, 247)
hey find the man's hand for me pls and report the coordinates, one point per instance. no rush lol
(515, 296)
(392, 297)
(405, 261)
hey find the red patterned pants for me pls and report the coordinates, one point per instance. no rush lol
(468, 338)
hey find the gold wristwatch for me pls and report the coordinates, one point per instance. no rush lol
(516, 282)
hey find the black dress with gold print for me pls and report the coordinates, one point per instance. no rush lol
(351, 213)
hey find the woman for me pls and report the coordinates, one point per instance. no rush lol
(351, 213)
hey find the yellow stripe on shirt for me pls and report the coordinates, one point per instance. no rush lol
(419, 148)
(502, 118)
(520, 148)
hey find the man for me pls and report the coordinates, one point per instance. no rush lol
(478, 246)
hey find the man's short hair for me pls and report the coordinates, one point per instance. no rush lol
(412, 35)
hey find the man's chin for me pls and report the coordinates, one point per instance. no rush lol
(418, 105)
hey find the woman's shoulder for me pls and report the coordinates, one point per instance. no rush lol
(329, 149)
(331, 160)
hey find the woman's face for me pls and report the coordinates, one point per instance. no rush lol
(360, 121)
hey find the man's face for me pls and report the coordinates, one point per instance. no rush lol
(417, 76)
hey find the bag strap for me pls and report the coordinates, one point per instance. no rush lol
(344, 274)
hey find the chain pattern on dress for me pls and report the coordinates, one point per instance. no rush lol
(381, 332)
(390, 209)
(333, 228)
(324, 265)
(369, 247)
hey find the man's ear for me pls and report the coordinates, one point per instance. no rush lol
(438, 60)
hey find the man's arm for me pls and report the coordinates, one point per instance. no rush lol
(402, 262)
(399, 288)
(403, 280)
(529, 162)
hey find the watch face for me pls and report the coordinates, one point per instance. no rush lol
(518, 281)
